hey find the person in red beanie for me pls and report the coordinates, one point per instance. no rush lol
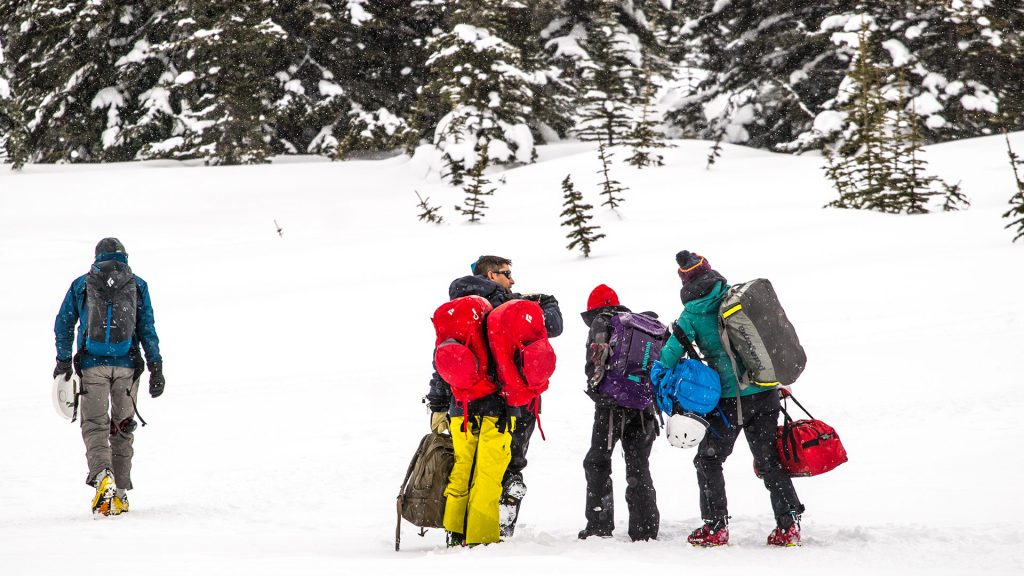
(635, 428)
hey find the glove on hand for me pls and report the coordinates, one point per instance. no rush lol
(438, 422)
(546, 300)
(784, 392)
(156, 379)
(63, 367)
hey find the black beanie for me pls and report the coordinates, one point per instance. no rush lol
(110, 245)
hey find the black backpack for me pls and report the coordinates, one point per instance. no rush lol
(111, 300)
(421, 498)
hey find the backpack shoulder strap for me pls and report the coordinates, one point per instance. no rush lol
(680, 335)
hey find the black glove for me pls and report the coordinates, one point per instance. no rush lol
(156, 379)
(546, 300)
(63, 367)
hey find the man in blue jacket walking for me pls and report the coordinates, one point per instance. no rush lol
(114, 315)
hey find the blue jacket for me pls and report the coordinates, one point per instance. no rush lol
(699, 320)
(73, 311)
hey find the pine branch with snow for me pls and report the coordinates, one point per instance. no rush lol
(428, 213)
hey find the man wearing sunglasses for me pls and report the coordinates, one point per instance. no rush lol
(492, 279)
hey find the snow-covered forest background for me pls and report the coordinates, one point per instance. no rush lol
(239, 82)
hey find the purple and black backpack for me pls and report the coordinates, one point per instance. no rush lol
(636, 342)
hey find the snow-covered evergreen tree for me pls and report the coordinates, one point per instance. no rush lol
(317, 62)
(609, 80)
(769, 69)
(64, 77)
(389, 65)
(6, 102)
(645, 137)
(480, 80)
(577, 217)
(860, 156)
(963, 60)
(224, 81)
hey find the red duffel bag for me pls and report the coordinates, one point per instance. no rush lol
(806, 447)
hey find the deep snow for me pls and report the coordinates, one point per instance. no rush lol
(295, 364)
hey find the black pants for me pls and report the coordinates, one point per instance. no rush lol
(760, 421)
(637, 431)
(525, 425)
(512, 486)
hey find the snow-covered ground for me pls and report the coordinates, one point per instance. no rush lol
(295, 364)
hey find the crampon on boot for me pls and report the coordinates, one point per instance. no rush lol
(105, 488)
(785, 536)
(119, 503)
(712, 533)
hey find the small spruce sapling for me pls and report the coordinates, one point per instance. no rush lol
(476, 189)
(610, 189)
(577, 214)
(715, 152)
(428, 212)
(1016, 211)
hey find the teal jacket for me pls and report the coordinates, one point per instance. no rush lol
(699, 320)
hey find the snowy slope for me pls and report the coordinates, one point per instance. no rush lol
(295, 364)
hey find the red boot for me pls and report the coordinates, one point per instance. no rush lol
(712, 533)
(785, 537)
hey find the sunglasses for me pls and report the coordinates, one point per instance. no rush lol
(505, 273)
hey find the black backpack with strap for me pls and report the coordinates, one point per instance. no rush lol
(111, 303)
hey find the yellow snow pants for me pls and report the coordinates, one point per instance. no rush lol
(474, 486)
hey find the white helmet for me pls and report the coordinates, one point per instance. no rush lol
(685, 430)
(64, 391)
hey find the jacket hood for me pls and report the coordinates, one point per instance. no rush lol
(495, 293)
(709, 302)
(590, 315)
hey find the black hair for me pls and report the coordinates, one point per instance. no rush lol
(485, 264)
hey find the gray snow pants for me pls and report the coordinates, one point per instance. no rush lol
(105, 407)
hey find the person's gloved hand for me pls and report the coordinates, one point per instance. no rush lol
(784, 392)
(438, 422)
(63, 367)
(156, 378)
(546, 300)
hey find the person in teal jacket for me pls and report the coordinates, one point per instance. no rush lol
(701, 294)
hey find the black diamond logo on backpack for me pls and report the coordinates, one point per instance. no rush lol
(110, 282)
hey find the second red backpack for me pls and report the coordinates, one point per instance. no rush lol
(520, 349)
(460, 352)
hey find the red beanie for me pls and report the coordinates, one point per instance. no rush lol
(602, 296)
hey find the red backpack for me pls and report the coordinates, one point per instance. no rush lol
(460, 352)
(522, 354)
